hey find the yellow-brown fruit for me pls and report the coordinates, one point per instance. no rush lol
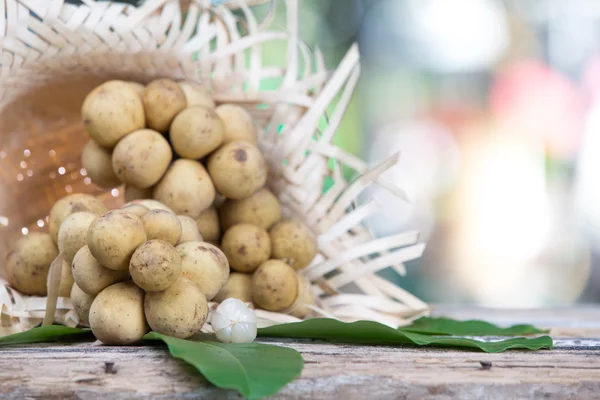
(238, 169)
(196, 132)
(196, 94)
(155, 266)
(261, 209)
(27, 264)
(72, 234)
(97, 161)
(186, 188)
(141, 158)
(117, 314)
(189, 230)
(90, 276)
(238, 286)
(246, 247)
(81, 303)
(163, 225)
(238, 124)
(205, 265)
(208, 225)
(137, 87)
(136, 209)
(111, 111)
(134, 193)
(71, 204)
(306, 297)
(274, 286)
(179, 311)
(293, 242)
(163, 99)
(150, 204)
(114, 237)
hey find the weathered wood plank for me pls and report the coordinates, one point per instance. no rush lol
(64, 372)
(78, 371)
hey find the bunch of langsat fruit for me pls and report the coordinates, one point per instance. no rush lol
(191, 171)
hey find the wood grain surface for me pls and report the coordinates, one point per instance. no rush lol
(572, 370)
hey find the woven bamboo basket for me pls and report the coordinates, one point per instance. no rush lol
(54, 53)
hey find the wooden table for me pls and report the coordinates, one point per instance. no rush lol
(571, 370)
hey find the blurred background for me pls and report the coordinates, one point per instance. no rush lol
(494, 107)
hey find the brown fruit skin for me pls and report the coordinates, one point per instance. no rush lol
(238, 169)
(238, 124)
(111, 111)
(27, 264)
(274, 286)
(179, 311)
(163, 99)
(186, 188)
(141, 158)
(238, 286)
(208, 225)
(97, 161)
(246, 247)
(71, 204)
(293, 242)
(196, 132)
(261, 209)
(155, 266)
(117, 314)
(114, 237)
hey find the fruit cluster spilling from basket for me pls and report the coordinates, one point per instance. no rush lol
(197, 207)
(297, 109)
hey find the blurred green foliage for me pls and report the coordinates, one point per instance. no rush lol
(317, 31)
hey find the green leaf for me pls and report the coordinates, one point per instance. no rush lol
(367, 332)
(447, 326)
(255, 370)
(538, 343)
(48, 333)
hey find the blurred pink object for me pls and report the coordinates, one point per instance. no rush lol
(590, 79)
(542, 103)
